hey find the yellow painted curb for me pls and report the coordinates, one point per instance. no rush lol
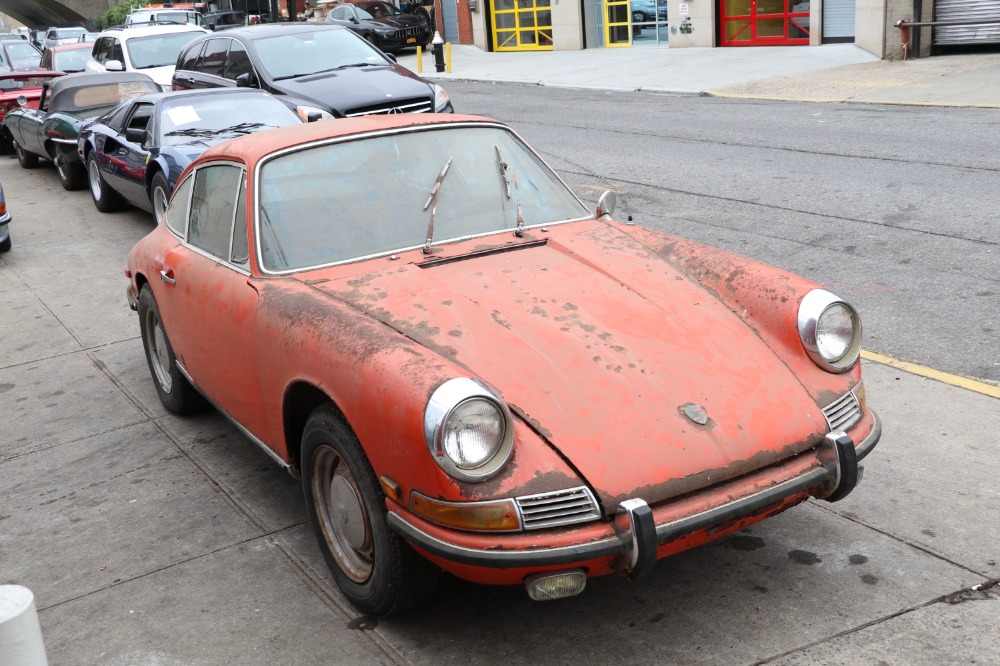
(930, 373)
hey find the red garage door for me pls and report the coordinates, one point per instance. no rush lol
(764, 22)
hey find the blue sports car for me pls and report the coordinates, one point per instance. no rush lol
(136, 152)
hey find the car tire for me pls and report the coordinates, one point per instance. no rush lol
(175, 391)
(105, 199)
(72, 175)
(374, 568)
(24, 158)
(159, 195)
(5, 244)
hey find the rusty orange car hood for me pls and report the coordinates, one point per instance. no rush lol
(605, 349)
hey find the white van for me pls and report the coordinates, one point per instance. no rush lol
(183, 16)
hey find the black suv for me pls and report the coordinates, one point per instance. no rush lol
(314, 69)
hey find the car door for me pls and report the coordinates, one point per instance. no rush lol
(208, 303)
(209, 70)
(127, 155)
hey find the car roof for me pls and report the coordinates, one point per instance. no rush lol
(253, 147)
(71, 47)
(143, 30)
(174, 94)
(263, 30)
(86, 79)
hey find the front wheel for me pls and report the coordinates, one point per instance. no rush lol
(72, 175)
(5, 244)
(374, 568)
(105, 199)
(175, 392)
(24, 158)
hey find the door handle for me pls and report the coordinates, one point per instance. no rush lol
(168, 276)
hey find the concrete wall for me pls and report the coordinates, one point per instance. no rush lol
(567, 25)
(869, 26)
(703, 15)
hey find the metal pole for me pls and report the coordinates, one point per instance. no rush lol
(918, 14)
(20, 634)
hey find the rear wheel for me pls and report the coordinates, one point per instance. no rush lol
(175, 392)
(374, 568)
(105, 199)
(159, 195)
(72, 175)
(24, 158)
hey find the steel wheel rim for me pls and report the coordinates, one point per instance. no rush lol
(159, 359)
(159, 203)
(95, 180)
(341, 514)
(62, 168)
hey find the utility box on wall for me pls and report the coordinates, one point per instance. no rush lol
(692, 22)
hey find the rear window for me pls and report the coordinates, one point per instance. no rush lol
(70, 61)
(66, 33)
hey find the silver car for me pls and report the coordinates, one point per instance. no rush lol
(57, 36)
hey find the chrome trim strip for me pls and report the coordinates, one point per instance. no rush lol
(249, 435)
(67, 142)
(865, 446)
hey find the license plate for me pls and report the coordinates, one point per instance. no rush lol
(411, 40)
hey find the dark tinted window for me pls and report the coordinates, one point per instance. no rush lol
(116, 52)
(188, 58)
(213, 59)
(117, 119)
(238, 62)
(101, 48)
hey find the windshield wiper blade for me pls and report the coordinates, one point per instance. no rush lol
(433, 196)
(509, 177)
(242, 128)
(191, 131)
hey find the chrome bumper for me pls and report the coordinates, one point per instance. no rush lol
(636, 537)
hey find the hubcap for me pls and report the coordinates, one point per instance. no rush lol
(159, 359)
(95, 180)
(61, 166)
(341, 514)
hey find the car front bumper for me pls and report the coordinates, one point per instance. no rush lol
(639, 535)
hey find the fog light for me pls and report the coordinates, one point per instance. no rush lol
(548, 586)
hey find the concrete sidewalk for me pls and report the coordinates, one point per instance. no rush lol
(829, 73)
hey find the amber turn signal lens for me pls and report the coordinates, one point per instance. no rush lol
(3, 208)
(500, 516)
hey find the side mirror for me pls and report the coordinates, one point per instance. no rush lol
(22, 101)
(606, 204)
(246, 80)
(114, 66)
(135, 135)
(313, 117)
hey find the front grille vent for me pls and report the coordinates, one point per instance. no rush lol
(413, 105)
(843, 412)
(562, 507)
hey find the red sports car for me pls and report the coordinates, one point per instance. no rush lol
(473, 371)
(15, 85)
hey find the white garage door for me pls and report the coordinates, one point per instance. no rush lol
(838, 20)
(967, 10)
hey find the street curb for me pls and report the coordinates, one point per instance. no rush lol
(960, 381)
(880, 102)
(573, 86)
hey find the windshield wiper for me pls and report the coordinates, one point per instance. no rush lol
(242, 128)
(191, 131)
(433, 197)
(508, 177)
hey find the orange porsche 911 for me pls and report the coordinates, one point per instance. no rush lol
(473, 371)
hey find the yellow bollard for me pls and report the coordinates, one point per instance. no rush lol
(420, 60)
(447, 56)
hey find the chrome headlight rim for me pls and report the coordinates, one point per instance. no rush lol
(812, 308)
(442, 404)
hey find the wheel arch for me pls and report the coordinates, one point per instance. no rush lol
(300, 401)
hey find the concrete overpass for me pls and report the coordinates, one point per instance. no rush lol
(44, 13)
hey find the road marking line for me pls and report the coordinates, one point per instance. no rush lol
(931, 373)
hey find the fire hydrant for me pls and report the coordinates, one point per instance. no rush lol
(437, 46)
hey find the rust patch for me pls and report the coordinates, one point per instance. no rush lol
(455, 333)
(534, 423)
(498, 318)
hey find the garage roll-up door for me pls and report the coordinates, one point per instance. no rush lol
(838, 20)
(967, 10)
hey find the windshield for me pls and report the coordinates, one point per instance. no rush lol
(379, 9)
(369, 196)
(70, 61)
(299, 54)
(68, 33)
(188, 118)
(158, 50)
(22, 51)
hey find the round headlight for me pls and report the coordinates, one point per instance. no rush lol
(830, 330)
(468, 429)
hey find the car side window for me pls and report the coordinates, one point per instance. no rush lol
(189, 58)
(238, 62)
(46, 62)
(213, 59)
(213, 204)
(240, 254)
(340, 13)
(116, 52)
(100, 52)
(177, 210)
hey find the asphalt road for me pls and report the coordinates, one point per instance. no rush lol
(894, 208)
(154, 539)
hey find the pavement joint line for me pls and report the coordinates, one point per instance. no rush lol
(45, 306)
(172, 565)
(64, 442)
(960, 381)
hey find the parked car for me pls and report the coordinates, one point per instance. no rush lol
(136, 152)
(167, 15)
(89, 37)
(419, 316)
(19, 55)
(225, 20)
(20, 89)
(151, 49)
(5, 219)
(383, 24)
(67, 58)
(66, 104)
(313, 68)
(57, 36)
(12, 36)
